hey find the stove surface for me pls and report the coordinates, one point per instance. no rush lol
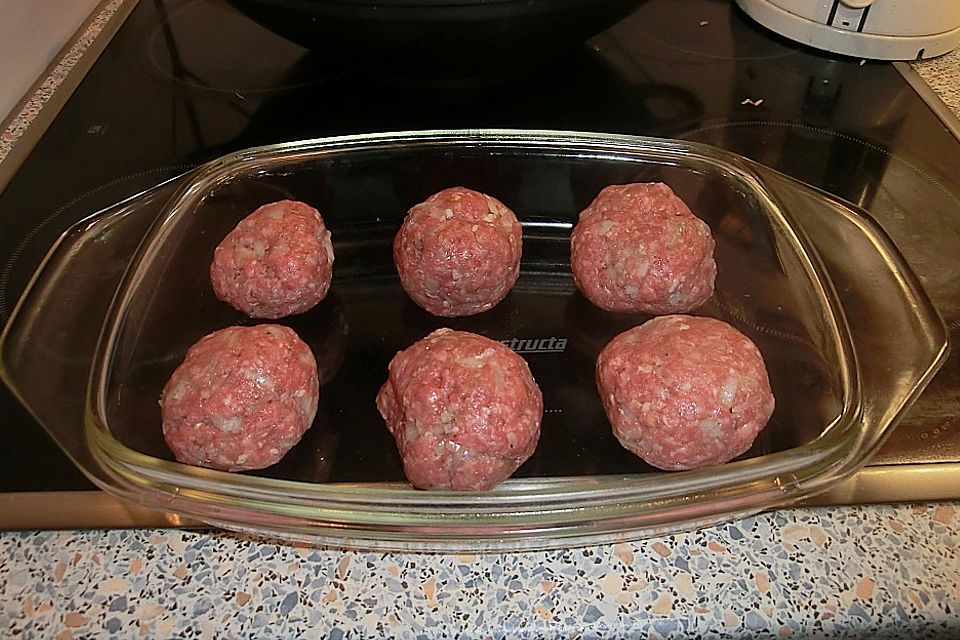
(175, 88)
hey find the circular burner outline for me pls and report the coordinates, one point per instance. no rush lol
(156, 33)
(643, 26)
(830, 132)
(952, 325)
(18, 251)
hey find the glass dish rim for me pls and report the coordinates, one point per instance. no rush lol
(783, 475)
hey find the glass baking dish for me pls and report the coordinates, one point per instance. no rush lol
(843, 368)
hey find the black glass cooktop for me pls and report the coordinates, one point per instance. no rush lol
(185, 81)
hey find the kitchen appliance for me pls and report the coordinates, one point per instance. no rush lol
(173, 89)
(873, 29)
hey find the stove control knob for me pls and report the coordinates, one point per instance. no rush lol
(857, 4)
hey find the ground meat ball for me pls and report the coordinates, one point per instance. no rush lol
(684, 392)
(277, 262)
(465, 411)
(242, 397)
(638, 248)
(458, 253)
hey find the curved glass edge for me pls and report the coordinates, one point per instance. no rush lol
(739, 487)
(263, 158)
(884, 402)
(670, 152)
(55, 310)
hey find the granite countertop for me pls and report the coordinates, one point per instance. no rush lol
(868, 571)
(878, 572)
(943, 76)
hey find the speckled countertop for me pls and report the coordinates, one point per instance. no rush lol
(872, 572)
(875, 571)
(943, 76)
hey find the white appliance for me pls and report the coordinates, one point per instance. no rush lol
(874, 29)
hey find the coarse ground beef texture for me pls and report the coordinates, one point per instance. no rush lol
(277, 262)
(638, 248)
(465, 411)
(242, 397)
(684, 392)
(458, 253)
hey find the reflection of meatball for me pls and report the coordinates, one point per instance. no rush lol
(458, 253)
(683, 392)
(277, 262)
(638, 248)
(465, 411)
(241, 399)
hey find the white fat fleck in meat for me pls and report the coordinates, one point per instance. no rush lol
(477, 361)
(728, 390)
(306, 405)
(259, 248)
(176, 394)
(605, 227)
(710, 427)
(228, 425)
(327, 242)
(411, 432)
(259, 378)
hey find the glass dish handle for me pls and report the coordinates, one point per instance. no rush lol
(48, 346)
(899, 340)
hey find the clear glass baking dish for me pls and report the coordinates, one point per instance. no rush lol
(113, 309)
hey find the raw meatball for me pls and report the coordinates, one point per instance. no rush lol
(638, 248)
(684, 392)
(465, 411)
(277, 262)
(458, 253)
(241, 399)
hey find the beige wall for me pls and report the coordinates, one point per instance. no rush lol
(32, 32)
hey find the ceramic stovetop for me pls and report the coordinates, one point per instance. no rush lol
(172, 90)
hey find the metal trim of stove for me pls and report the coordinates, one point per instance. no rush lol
(80, 510)
(100, 510)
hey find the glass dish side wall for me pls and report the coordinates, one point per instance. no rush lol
(769, 286)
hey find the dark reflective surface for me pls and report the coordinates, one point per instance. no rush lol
(186, 81)
(762, 289)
